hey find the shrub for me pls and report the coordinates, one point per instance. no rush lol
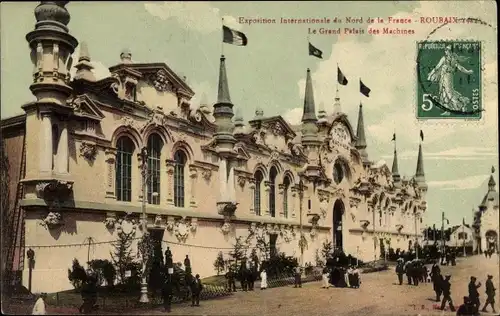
(104, 270)
(77, 274)
(308, 269)
(219, 263)
(122, 256)
(280, 264)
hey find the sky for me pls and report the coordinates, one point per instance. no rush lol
(270, 72)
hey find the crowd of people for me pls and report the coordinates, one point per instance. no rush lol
(416, 272)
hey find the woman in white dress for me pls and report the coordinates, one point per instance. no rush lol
(263, 279)
(39, 308)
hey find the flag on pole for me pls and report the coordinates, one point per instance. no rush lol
(393, 137)
(364, 89)
(421, 135)
(313, 51)
(341, 78)
(233, 37)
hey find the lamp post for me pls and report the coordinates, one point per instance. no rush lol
(144, 172)
(416, 233)
(301, 198)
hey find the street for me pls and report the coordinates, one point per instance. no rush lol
(378, 295)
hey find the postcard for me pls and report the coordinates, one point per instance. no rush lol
(250, 158)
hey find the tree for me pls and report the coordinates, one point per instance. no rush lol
(239, 250)
(219, 263)
(122, 256)
(77, 274)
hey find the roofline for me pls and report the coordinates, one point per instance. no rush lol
(19, 119)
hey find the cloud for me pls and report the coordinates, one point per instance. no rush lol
(466, 183)
(458, 153)
(100, 70)
(293, 116)
(199, 16)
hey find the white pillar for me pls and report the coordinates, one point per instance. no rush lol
(223, 179)
(62, 150)
(46, 144)
(230, 182)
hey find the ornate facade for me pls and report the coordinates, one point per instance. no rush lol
(486, 219)
(211, 176)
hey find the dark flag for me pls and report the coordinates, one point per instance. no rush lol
(393, 137)
(492, 169)
(364, 89)
(234, 37)
(341, 78)
(421, 135)
(313, 51)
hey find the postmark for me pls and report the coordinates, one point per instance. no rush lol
(449, 80)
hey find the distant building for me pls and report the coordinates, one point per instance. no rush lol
(487, 219)
(210, 178)
(461, 235)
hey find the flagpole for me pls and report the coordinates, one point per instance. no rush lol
(463, 234)
(222, 42)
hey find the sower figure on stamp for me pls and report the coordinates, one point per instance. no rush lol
(443, 74)
(446, 287)
(473, 292)
(490, 293)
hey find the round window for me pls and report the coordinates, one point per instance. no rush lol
(338, 172)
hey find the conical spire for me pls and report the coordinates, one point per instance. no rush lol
(309, 114)
(223, 110)
(420, 174)
(360, 134)
(420, 163)
(491, 182)
(336, 106)
(238, 118)
(395, 169)
(84, 67)
(204, 104)
(223, 92)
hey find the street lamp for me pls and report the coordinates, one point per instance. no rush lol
(144, 172)
(301, 243)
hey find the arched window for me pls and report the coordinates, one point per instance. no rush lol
(272, 191)
(286, 186)
(338, 172)
(55, 144)
(180, 162)
(124, 151)
(258, 186)
(155, 145)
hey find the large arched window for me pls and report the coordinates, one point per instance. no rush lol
(258, 187)
(155, 145)
(286, 186)
(124, 151)
(180, 162)
(272, 191)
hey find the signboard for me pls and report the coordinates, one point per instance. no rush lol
(340, 136)
(128, 274)
(170, 270)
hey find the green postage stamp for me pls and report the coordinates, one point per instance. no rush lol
(449, 80)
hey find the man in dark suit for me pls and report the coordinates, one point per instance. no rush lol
(196, 288)
(490, 293)
(446, 287)
(474, 293)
